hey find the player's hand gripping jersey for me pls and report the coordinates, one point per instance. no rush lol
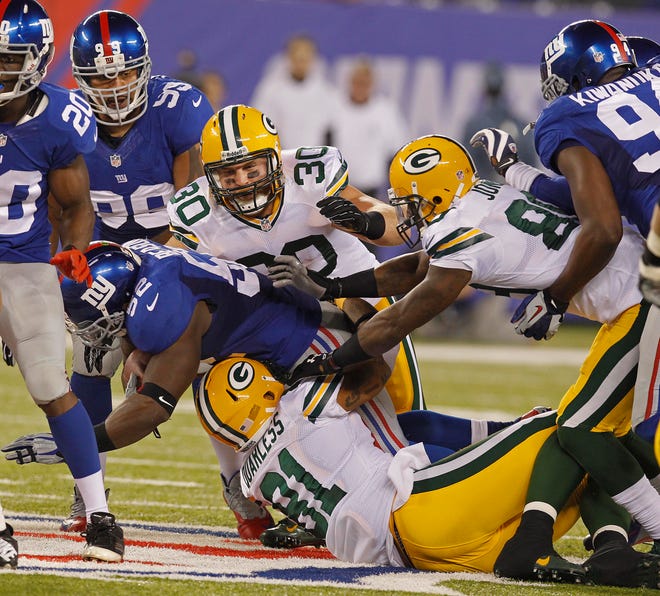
(55, 130)
(624, 114)
(482, 233)
(131, 196)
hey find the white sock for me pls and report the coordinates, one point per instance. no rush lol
(93, 493)
(3, 522)
(230, 461)
(642, 501)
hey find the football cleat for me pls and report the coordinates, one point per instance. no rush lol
(288, 534)
(8, 548)
(252, 518)
(77, 520)
(105, 539)
(621, 565)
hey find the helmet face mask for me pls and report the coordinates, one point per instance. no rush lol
(242, 140)
(26, 48)
(111, 64)
(236, 400)
(580, 55)
(426, 176)
(97, 314)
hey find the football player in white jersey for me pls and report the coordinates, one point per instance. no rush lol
(308, 453)
(258, 201)
(130, 186)
(45, 131)
(499, 239)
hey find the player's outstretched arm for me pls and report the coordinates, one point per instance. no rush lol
(387, 328)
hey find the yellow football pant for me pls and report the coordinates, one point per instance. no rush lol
(463, 509)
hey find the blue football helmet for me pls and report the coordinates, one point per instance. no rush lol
(96, 314)
(25, 31)
(580, 55)
(645, 50)
(106, 44)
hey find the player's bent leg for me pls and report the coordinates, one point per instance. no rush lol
(438, 536)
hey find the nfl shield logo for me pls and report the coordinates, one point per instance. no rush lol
(265, 224)
(115, 160)
(3, 140)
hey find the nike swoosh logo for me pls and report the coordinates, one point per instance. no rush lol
(539, 309)
(162, 400)
(197, 102)
(151, 306)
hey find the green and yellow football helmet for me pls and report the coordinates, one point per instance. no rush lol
(235, 401)
(426, 176)
(241, 134)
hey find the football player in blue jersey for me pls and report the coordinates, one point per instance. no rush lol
(45, 132)
(149, 129)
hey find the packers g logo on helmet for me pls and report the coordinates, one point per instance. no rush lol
(426, 176)
(421, 161)
(241, 136)
(235, 401)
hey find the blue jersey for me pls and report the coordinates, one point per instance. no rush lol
(249, 315)
(620, 123)
(48, 140)
(132, 182)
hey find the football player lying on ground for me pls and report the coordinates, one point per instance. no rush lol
(311, 457)
(407, 509)
(499, 239)
(181, 307)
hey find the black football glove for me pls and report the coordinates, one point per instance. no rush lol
(7, 355)
(345, 214)
(317, 365)
(499, 146)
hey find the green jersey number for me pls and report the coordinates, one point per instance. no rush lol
(309, 167)
(191, 205)
(276, 483)
(537, 219)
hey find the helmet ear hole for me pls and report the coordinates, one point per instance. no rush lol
(437, 200)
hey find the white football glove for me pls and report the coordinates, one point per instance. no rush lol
(539, 316)
(38, 448)
(499, 146)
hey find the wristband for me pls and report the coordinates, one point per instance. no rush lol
(103, 441)
(375, 225)
(350, 353)
(161, 396)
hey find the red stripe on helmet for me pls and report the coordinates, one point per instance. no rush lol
(4, 4)
(104, 22)
(617, 40)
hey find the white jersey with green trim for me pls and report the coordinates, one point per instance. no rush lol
(515, 244)
(296, 228)
(318, 464)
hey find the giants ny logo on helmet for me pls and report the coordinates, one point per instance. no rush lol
(99, 294)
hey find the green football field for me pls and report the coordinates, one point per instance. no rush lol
(173, 483)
